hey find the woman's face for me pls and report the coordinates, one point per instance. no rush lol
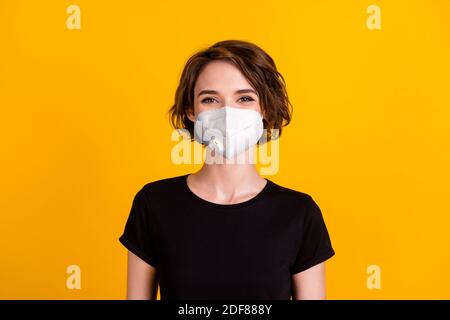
(222, 84)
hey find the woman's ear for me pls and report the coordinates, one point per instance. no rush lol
(263, 113)
(190, 114)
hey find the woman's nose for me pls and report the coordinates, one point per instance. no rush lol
(228, 102)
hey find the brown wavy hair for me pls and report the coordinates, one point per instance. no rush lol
(258, 68)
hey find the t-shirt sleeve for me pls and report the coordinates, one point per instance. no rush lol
(315, 245)
(137, 236)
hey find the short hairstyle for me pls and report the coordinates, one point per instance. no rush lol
(257, 67)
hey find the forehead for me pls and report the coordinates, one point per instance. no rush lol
(221, 76)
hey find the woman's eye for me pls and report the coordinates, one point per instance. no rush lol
(207, 99)
(249, 98)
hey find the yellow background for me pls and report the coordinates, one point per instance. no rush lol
(84, 126)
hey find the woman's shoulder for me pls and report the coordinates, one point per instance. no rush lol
(298, 202)
(169, 184)
(292, 193)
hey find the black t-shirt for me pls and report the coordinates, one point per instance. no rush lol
(206, 250)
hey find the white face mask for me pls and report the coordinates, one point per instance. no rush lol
(228, 130)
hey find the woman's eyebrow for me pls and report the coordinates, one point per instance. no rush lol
(246, 91)
(237, 92)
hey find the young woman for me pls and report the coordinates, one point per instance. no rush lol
(225, 232)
